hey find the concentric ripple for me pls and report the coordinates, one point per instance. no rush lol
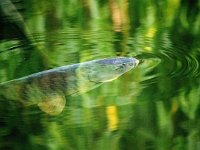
(179, 63)
(170, 63)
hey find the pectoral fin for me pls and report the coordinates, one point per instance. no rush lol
(53, 105)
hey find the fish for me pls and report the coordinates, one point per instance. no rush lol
(48, 89)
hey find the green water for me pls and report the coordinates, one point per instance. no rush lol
(156, 106)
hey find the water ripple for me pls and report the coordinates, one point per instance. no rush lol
(170, 63)
(179, 63)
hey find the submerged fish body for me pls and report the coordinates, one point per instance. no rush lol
(48, 88)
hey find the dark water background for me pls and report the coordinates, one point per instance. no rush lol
(155, 106)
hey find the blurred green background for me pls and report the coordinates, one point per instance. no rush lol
(153, 107)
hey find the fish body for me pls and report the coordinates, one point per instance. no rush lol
(48, 88)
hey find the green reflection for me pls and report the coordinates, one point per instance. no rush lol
(156, 106)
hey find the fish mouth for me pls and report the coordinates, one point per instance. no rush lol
(136, 62)
(133, 62)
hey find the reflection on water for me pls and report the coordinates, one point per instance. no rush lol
(155, 106)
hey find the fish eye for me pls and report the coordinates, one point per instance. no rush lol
(123, 65)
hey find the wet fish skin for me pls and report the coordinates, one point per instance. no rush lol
(48, 88)
(41, 84)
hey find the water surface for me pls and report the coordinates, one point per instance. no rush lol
(155, 106)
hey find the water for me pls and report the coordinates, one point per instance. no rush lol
(154, 106)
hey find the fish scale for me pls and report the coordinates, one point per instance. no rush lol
(48, 88)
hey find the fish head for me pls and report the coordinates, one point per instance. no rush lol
(106, 70)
